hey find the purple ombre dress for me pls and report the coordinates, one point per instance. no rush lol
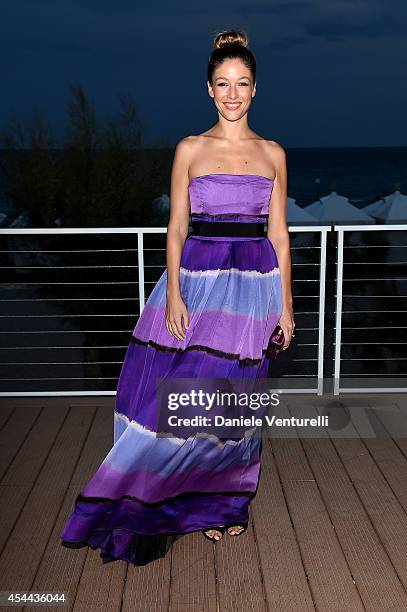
(150, 489)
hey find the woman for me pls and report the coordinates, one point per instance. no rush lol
(221, 309)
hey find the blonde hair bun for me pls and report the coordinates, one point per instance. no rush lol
(230, 37)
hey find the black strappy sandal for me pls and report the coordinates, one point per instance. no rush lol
(230, 525)
(208, 537)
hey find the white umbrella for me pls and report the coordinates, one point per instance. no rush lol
(298, 215)
(390, 209)
(336, 209)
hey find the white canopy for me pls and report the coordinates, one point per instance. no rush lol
(298, 215)
(390, 209)
(334, 208)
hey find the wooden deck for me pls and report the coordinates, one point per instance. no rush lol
(328, 526)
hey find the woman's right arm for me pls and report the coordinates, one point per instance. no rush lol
(177, 232)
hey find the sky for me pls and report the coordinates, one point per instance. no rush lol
(329, 72)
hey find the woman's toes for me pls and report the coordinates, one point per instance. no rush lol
(235, 530)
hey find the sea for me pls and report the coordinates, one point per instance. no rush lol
(362, 174)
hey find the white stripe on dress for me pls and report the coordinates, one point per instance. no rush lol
(248, 273)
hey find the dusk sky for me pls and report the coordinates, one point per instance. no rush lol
(330, 72)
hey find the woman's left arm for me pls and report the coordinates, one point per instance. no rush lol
(278, 235)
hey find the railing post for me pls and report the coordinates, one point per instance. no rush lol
(140, 249)
(338, 318)
(321, 313)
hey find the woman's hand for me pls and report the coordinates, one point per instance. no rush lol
(287, 324)
(175, 312)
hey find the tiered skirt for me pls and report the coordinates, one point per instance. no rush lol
(151, 489)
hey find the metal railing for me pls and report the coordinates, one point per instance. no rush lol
(373, 334)
(63, 368)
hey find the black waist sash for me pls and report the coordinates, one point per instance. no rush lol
(227, 228)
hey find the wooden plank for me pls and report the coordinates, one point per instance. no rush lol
(330, 580)
(23, 553)
(100, 586)
(193, 585)
(389, 458)
(31, 455)
(362, 461)
(392, 416)
(14, 433)
(81, 572)
(6, 410)
(371, 568)
(401, 441)
(23, 471)
(240, 583)
(328, 573)
(148, 587)
(285, 581)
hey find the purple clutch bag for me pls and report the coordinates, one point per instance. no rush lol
(275, 344)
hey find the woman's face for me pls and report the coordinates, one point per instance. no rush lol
(232, 89)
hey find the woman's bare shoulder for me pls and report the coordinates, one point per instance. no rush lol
(190, 148)
(189, 145)
(274, 147)
(191, 140)
(275, 152)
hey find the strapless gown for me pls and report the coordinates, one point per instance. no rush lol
(149, 489)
